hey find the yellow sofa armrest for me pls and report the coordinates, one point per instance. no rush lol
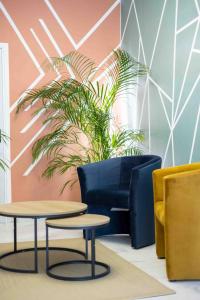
(159, 174)
(182, 224)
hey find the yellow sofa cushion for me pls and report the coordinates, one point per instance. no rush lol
(160, 211)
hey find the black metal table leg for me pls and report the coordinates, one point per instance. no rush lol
(86, 244)
(93, 253)
(35, 246)
(47, 248)
(15, 234)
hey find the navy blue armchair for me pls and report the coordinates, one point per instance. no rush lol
(121, 188)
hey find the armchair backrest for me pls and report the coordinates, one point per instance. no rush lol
(158, 177)
(111, 172)
(130, 162)
(99, 175)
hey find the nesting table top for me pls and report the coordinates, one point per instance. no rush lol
(83, 221)
(41, 208)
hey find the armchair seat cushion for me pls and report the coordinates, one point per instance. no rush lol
(160, 212)
(109, 196)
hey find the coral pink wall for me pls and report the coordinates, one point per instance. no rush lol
(35, 30)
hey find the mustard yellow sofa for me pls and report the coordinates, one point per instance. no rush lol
(177, 219)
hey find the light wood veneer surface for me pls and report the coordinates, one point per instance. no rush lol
(41, 208)
(86, 220)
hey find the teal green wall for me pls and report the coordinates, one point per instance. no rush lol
(166, 36)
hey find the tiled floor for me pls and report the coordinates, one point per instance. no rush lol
(144, 259)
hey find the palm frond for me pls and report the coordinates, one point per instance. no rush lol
(80, 108)
(3, 164)
(81, 66)
(123, 72)
(3, 139)
(132, 151)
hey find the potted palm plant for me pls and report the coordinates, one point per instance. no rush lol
(79, 113)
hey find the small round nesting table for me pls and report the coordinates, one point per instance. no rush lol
(89, 223)
(36, 210)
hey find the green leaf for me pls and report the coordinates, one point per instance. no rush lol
(78, 113)
(3, 139)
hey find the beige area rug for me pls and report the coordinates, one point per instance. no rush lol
(125, 282)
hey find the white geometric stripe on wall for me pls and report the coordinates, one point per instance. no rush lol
(165, 35)
(49, 28)
(58, 50)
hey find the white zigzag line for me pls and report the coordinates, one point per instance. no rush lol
(125, 27)
(137, 89)
(194, 136)
(21, 38)
(166, 150)
(149, 77)
(187, 25)
(31, 86)
(173, 82)
(151, 62)
(186, 70)
(49, 59)
(32, 166)
(30, 123)
(61, 54)
(149, 117)
(34, 119)
(196, 51)
(187, 100)
(143, 100)
(165, 111)
(142, 46)
(162, 91)
(43, 49)
(89, 33)
(197, 6)
(157, 35)
(30, 142)
(27, 48)
(50, 36)
(167, 96)
(54, 13)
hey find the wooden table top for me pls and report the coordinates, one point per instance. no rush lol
(41, 208)
(82, 221)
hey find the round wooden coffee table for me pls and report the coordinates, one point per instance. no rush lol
(36, 210)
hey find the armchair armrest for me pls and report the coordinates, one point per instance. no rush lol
(158, 177)
(141, 204)
(182, 223)
(99, 175)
